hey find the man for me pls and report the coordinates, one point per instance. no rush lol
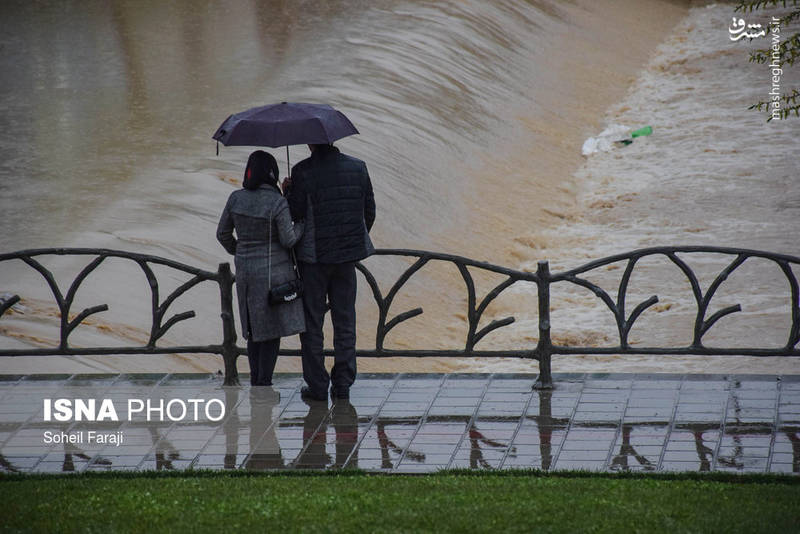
(332, 192)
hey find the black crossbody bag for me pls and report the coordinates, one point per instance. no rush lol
(288, 291)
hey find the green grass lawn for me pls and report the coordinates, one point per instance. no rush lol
(357, 502)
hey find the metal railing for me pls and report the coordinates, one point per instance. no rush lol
(542, 278)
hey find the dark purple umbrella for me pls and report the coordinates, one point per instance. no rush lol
(285, 124)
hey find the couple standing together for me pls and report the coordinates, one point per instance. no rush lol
(324, 213)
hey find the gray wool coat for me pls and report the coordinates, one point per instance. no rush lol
(251, 213)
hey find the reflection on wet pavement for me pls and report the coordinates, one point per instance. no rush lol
(416, 423)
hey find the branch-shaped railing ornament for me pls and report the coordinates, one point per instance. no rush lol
(385, 302)
(159, 327)
(624, 324)
(702, 325)
(542, 278)
(65, 302)
(474, 313)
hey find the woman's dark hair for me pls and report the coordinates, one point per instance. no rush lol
(261, 169)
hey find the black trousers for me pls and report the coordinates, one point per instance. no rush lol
(315, 454)
(335, 284)
(262, 356)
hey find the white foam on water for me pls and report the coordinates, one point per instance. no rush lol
(712, 173)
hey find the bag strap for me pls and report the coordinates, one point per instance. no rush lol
(269, 254)
(293, 257)
(292, 254)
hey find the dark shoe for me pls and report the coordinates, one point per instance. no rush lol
(340, 393)
(307, 394)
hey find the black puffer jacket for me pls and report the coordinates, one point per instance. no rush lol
(332, 192)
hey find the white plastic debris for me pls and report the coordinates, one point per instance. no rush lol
(605, 141)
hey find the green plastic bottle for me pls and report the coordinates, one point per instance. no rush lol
(641, 132)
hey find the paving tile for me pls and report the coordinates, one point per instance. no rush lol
(118, 461)
(468, 391)
(754, 398)
(506, 396)
(554, 413)
(583, 455)
(680, 466)
(784, 446)
(538, 449)
(643, 441)
(454, 411)
(652, 402)
(313, 461)
(688, 445)
(372, 453)
(745, 440)
(596, 417)
(596, 382)
(478, 431)
(522, 462)
(600, 407)
(19, 462)
(470, 386)
(479, 454)
(630, 420)
(408, 407)
(370, 464)
(445, 401)
(60, 467)
(510, 408)
(582, 445)
(681, 456)
(786, 468)
(644, 414)
(525, 438)
(784, 457)
(697, 417)
(613, 399)
(432, 449)
(700, 407)
(743, 464)
(751, 414)
(474, 464)
(654, 385)
(705, 383)
(443, 425)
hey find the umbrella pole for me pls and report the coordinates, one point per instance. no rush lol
(287, 161)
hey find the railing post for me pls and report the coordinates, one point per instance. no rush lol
(229, 350)
(545, 346)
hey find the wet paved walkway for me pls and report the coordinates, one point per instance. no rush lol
(409, 423)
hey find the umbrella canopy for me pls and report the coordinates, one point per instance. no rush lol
(285, 124)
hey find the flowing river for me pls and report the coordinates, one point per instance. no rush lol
(471, 114)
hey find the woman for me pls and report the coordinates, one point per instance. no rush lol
(254, 212)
